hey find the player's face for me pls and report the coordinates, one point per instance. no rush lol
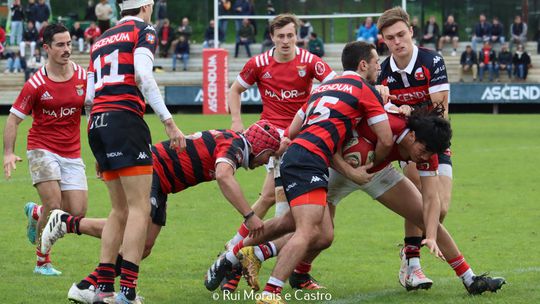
(60, 49)
(285, 39)
(373, 68)
(260, 160)
(398, 38)
(418, 152)
(147, 13)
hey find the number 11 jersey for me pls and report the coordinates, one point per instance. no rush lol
(112, 62)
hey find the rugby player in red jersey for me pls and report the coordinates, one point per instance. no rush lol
(417, 78)
(54, 97)
(284, 76)
(209, 155)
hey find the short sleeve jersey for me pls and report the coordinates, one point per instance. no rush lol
(196, 164)
(334, 110)
(112, 62)
(425, 74)
(56, 112)
(284, 87)
(398, 124)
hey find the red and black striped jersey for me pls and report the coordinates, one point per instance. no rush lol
(425, 74)
(333, 111)
(112, 62)
(398, 124)
(196, 164)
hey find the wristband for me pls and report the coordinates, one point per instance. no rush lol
(250, 214)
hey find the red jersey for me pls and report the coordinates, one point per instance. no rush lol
(197, 163)
(398, 124)
(286, 86)
(425, 74)
(56, 111)
(333, 111)
(112, 59)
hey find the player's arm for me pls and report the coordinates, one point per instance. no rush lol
(358, 175)
(143, 62)
(431, 212)
(235, 106)
(230, 188)
(442, 99)
(292, 130)
(90, 94)
(385, 140)
(10, 135)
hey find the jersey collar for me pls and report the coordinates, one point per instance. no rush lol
(348, 73)
(410, 66)
(274, 48)
(402, 136)
(127, 18)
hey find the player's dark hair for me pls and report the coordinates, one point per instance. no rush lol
(51, 30)
(431, 128)
(354, 52)
(128, 12)
(281, 21)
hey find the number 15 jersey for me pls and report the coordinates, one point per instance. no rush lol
(112, 62)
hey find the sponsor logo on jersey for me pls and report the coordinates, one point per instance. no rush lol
(149, 27)
(285, 94)
(79, 89)
(436, 59)
(142, 155)
(150, 38)
(267, 75)
(438, 78)
(301, 70)
(315, 179)
(46, 96)
(320, 68)
(114, 154)
(413, 96)
(290, 186)
(419, 74)
(440, 69)
(391, 79)
(120, 37)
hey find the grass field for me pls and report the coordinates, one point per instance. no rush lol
(494, 217)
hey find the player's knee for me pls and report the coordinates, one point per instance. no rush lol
(325, 240)
(148, 245)
(444, 212)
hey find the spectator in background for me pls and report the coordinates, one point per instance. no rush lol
(431, 32)
(165, 36)
(518, 32)
(30, 37)
(44, 24)
(270, 10)
(104, 13)
(497, 32)
(161, 13)
(267, 42)
(505, 60)
(90, 14)
(304, 30)
(209, 35)
(449, 33)
(17, 19)
(181, 51)
(225, 9)
(417, 31)
(77, 34)
(41, 14)
(91, 34)
(29, 11)
(15, 63)
(185, 29)
(315, 45)
(522, 62)
(367, 32)
(35, 62)
(245, 34)
(487, 60)
(468, 62)
(482, 31)
(240, 7)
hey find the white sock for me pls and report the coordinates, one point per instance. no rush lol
(231, 257)
(413, 263)
(281, 208)
(235, 240)
(467, 277)
(275, 282)
(258, 253)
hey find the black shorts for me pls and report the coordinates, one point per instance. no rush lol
(119, 139)
(158, 202)
(445, 157)
(302, 171)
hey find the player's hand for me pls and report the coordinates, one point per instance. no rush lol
(10, 163)
(384, 91)
(360, 175)
(405, 110)
(178, 140)
(237, 126)
(99, 172)
(255, 226)
(283, 145)
(433, 248)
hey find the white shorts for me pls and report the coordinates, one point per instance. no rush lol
(274, 162)
(47, 166)
(339, 186)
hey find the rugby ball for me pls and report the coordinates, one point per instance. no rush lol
(358, 151)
